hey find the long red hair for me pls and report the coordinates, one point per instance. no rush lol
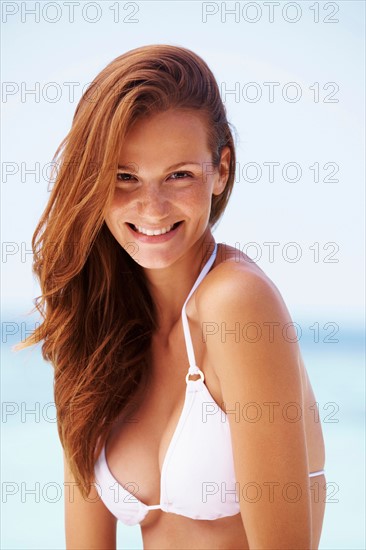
(97, 313)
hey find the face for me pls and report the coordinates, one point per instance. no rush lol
(164, 186)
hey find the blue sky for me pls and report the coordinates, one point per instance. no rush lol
(320, 136)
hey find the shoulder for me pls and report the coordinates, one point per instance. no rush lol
(237, 283)
(244, 320)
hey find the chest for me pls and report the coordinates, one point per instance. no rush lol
(136, 449)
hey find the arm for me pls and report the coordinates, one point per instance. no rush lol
(88, 525)
(270, 452)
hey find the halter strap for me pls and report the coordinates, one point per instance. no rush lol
(193, 368)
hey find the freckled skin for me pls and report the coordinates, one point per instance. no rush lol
(157, 197)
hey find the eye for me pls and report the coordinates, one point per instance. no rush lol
(123, 176)
(183, 174)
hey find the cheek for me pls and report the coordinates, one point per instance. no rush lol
(202, 197)
(120, 200)
(199, 194)
(117, 207)
(110, 225)
(111, 219)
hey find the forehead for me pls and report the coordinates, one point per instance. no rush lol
(169, 134)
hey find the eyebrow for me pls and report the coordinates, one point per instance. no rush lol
(128, 167)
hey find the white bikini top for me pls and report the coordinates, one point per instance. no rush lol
(197, 477)
(198, 464)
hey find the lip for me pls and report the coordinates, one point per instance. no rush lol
(155, 239)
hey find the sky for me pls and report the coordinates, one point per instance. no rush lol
(292, 80)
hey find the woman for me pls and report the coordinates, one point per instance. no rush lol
(183, 402)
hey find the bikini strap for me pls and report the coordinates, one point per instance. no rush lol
(193, 369)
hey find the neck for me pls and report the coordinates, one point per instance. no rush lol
(170, 286)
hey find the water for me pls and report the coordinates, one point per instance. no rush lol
(32, 467)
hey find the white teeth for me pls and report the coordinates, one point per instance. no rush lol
(155, 231)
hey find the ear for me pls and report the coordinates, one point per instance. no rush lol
(223, 171)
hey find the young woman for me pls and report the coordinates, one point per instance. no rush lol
(183, 401)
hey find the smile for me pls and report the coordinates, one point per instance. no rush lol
(153, 232)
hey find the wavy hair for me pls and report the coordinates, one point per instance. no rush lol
(98, 316)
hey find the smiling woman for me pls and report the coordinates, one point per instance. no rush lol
(154, 205)
(144, 401)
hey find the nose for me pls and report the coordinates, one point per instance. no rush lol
(152, 203)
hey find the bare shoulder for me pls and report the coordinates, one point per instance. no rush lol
(241, 307)
(235, 280)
